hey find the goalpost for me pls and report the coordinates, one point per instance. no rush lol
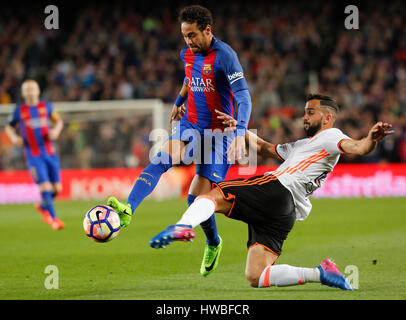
(91, 118)
(103, 110)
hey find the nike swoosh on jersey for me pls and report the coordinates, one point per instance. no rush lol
(214, 174)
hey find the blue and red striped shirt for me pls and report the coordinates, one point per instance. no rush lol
(34, 122)
(213, 78)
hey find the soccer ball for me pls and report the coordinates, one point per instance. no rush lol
(101, 223)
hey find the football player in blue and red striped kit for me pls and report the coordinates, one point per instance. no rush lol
(214, 80)
(33, 119)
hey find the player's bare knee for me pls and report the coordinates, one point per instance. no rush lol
(258, 259)
(199, 185)
(56, 188)
(45, 186)
(253, 278)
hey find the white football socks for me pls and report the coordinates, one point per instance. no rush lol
(200, 210)
(285, 275)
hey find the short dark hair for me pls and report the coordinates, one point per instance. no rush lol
(324, 101)
(195, 13)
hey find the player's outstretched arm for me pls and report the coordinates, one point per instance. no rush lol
(366, 145)
(263, 148)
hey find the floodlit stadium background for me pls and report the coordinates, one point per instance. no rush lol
(130, 50)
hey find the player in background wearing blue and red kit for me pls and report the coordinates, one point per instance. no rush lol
(214, 80)
(33, 119)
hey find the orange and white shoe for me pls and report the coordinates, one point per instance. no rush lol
(46, 216)
(57, 224)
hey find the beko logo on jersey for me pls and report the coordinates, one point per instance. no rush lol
(197, 84)
(235, 76)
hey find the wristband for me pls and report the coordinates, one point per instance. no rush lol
(179, 100)
(240, 131)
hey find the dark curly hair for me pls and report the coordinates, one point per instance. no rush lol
(195, 13)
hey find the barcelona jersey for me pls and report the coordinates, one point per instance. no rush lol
(34, 123)
(212, 79)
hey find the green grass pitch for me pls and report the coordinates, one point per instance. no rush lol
(366, 233)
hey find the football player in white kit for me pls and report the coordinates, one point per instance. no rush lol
(271, 203)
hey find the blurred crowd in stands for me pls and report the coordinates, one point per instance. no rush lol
(121, 51)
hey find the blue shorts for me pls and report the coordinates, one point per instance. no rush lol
(44, 168)
(206, 148)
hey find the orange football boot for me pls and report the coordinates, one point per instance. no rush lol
(46, 216)
(57, 224)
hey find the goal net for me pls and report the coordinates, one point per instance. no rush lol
(98, 134)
